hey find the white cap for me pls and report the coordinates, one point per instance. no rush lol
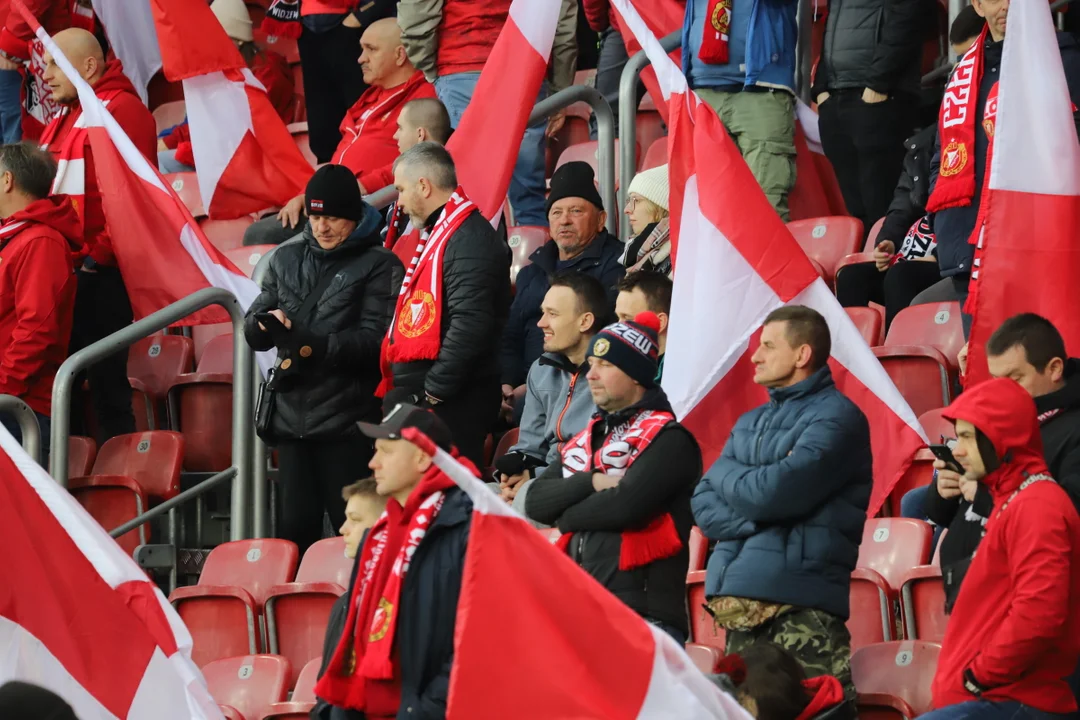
(651, 184)
(234, 17)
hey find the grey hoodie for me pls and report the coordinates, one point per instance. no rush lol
(558, 406)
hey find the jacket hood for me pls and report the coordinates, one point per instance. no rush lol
(1005, 413)
(825, 692)
(1067, 398)
(820, 380)
(364, 236)
(114, 79)
(56, 212)
(560, 361)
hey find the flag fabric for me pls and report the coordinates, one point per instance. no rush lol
(732, 253)
(569, 648)
(662, 17)
(486, 141)
(78, 616)
(1028, 253)
(245, 157)
(133, 39)
(162, 253)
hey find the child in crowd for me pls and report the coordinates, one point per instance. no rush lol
(363, 506)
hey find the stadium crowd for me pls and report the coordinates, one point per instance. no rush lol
(408, 320)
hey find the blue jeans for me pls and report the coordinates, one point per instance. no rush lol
(980, 709)
(10, 106)
(527, 187)
(676, 634)
(44, 423)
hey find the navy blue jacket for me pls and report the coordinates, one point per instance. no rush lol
(787, 499)
(523, 342)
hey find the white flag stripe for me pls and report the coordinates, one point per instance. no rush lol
(1034, 110)
(484, 500)
(668, 74)
(133, 38)
(70, 177)
(210, 98)
(536, 23)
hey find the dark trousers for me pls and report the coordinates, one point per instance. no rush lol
(609, 67)
(861, 284)
(44, 426)
(991, 710)
(865, 145)
(312, 474)
(471, 416)
(333, 82)
(102, 308)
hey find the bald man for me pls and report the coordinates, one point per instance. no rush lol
(101, 303)
(368, 146)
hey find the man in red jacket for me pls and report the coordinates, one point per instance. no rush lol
(1014, 633)
(102, 306)
(39, 240)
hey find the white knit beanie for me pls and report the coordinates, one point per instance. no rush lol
(650, 184)
(233, 16)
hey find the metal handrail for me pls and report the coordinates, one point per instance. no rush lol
(242, 410)
(628, 120)
(28, 424)
(605, 141)
(190, 494)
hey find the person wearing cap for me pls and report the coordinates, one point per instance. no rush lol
(646, 291)
(786, 503)
(620, 491)
(647, 208)
(327, 361)
(396, 650)
(269, 68)
(579, 242)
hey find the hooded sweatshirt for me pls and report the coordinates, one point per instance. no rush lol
(138, 124)
(38, 246)
(1013, 625)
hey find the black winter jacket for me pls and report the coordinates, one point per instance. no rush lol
(523, 341)
(425, 629)
(912, 189)
(660, 480)
(352, 315)
(873, 44)
(475, 298)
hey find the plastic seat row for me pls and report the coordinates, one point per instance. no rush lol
(256, 687)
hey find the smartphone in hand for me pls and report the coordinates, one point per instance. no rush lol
(944, 454)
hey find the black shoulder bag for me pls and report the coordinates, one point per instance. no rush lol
(267, 400)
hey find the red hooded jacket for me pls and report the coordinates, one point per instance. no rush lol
(38, 247)
(138, 123)
(54, 16)
(1015, 620)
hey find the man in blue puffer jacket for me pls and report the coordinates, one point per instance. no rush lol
(786, 503)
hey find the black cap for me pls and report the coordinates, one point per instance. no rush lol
(333, 191)
(404, 415)
(574, 179)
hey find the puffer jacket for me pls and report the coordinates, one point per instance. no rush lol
(786, 501)
(475, 298)
(874, 44)
(353, 313)
(912, 189)
(659, 481)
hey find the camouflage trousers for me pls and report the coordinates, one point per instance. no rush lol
(820, 641)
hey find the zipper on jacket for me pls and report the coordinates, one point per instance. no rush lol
(566, 407)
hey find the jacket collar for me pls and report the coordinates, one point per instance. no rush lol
(1067, 398)
(548, 254)
(365, 235)
(822, 379)
(561, 362)
(654, 399)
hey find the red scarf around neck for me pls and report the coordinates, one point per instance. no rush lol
(361, 672)
(715, 39)
(415, 331)
(659, 539)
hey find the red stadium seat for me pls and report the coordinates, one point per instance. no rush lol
(223, 612)
(586, 152)
(203, 334)
(186, 185)
(872, 238)
(151, 459)
(882, 706)
(226, 234)
(81, 454)
(902, 669)
(869, 323)
(922, 602)
(231, 713)
(705, 657)
(853, 259)
(919, 474)
(153, 365)
(297, 612)
(160, 91)
(524, 240)
(656, 155)
(246, 258)
(699, 549)
(703, 630)
(300, 137)
(892, 546)
(936, 426)
(828, 240)
(934, 324)
(920, 373)
(649, 128)
(112, 500)
(202, 405)
(249, 683)
(169, 114)
(303, 697)
(506, 442)
(871, 620)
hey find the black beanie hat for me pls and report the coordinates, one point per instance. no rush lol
(333, 191)
(574, 179)
(633, 347)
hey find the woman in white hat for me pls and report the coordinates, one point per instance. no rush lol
(647, 208)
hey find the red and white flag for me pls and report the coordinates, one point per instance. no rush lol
(1028, 254)
(662, 17)
(132, 37)
(245, 158)
(569, 648)
(734, 256)
(78, 616)
(162, 253)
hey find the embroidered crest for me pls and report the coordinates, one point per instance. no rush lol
(953, 158)
(380, 623)
(419, 314)
(601, 347)
(721, 17)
